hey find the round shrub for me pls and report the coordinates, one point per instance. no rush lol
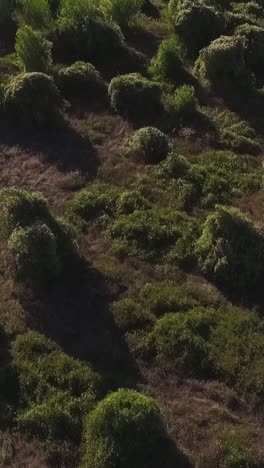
(167, 64)
(80, 79)
(196, 24)
(222, 65)
(122, 12)
(20, 208)
(231, 249)
(149, 145)
(134, 95)
(130, 315)
(254, 45)
(34, 253)
(32, 99)
(33, 50)
(108, 437)
(181, 340)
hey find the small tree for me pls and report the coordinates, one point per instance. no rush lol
(167, 64)
(33, 50)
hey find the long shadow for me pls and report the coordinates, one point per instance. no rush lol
(75, 313)
(63, 147)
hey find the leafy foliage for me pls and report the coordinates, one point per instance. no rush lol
(167, 64)
(33, 50)
(122, 12)
(35, 13)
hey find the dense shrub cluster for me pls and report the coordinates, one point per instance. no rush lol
(155, 233)
(135, 96)
(54, 389)
(254, 45)
(149, 145)
(32, 99)
(37, 243)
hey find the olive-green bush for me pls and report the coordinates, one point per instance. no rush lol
(32, 99)
(34, 254)
(167, 64)
(130, 315)
(55, 390)
(196, 24)
(108, 441)
(123, 12)
(94, 202)
(20, 208)
(130, 201)
(33, 50)
(231, 249)
(149, 145)
(182, 340)
(250, 8)
(80, 79)
(222, 66)
(135, 96)
(155, 233)
(254, 45)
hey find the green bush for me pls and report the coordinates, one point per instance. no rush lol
(173, 167)
(19, 208)
(130, 315)
(57, 417)
(231, 249)
(34, 254)
(184, 99)
(222, 65)
(248, 8)
(181, 340)
(149, 145)
(43, 367)
(33, 50)
(82, 34)
(94, 202)
(155, 233)
(123, 12)
(196, 24)
(236, 350)
(130, 201)
(32, 99)
(108, 440)
(167, 64)
(254, 45)
(80, 79)
(35, 13)
(134, 95)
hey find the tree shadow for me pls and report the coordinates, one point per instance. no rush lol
(75, 313)
(64, 147)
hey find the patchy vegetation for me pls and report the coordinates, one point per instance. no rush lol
(131, 233)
